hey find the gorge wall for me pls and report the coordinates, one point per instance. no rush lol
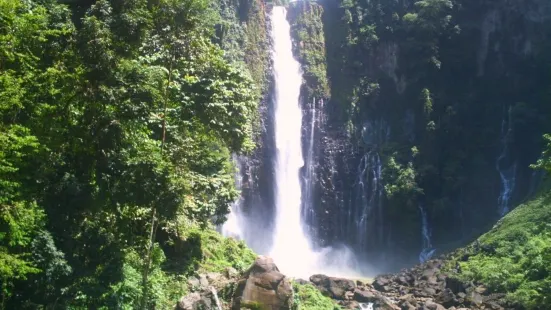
(420, 121)
(434, 110)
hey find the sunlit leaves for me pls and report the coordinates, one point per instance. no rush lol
(134, 109)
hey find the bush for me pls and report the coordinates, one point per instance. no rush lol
(514, 256)
(205, 250)
(307, 297)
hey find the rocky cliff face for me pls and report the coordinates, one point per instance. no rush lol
(432, 108)
(420, 120)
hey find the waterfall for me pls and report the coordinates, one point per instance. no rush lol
(308, 212)
(506, 169)
(291, 249)
(368, 218)
(369, 195)
(216, 299)
(427, 251)
(233, 225)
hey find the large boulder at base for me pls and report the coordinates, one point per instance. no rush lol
(333, 287)
(262, 286)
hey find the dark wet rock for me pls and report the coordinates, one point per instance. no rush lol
(447, 298)
(406, 279)
(332, 287)
(425, 292)
(455, 285)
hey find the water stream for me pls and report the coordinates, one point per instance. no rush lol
(293, 201)
(233, 225)
(506, 167)
(426, 251)
(289, 236)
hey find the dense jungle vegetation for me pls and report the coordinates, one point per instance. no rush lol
(117, 121)
(119, 118)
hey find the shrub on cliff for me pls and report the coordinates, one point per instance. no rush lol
(307, 297)
(205, 250)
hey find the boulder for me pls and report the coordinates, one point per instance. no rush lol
(189, 302)
(263, 286)
(364, 296)
(333, 287)
(406, 305)
(455, 285)
(350, 304)
(198, 283)
(381, 282)
(431, 305)
(204, 300)
(231, 273)
(447, 298)
(424, 292)
(377, 299)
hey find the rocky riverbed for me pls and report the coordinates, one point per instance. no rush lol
(262, 286)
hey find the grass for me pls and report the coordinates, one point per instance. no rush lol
(219, 253)
(205, 250)
(515, 256)
(307, 297)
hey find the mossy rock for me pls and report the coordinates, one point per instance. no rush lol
(308, 297)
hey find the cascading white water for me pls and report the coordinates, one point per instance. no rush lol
(507, 172)
(427, 250)
(308, 208)
(291, 249)
(366, 306)
(369, 194)
(232, 226)
(369, 186)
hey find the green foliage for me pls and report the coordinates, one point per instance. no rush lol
(207, 251)
(513, 257)
(165, 288)
(307, 30)
(253, 305)
(109, 128)
(427, 102)
(545, 160)
(307, 297)
(242, 34)
(400, 179)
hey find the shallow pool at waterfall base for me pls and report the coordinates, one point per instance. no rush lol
(366, 306)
